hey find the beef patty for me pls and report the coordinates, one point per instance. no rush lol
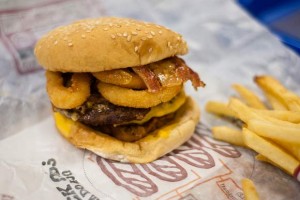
(97, 111)
(111, 119)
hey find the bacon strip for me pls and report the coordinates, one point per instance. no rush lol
(186, 73)
(149, 78)
(162, 74)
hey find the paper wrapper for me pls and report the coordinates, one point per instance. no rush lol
(226, 46)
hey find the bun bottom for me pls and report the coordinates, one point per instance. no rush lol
(147, 149)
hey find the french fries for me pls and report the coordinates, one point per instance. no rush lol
(245, 113)
(273, 134)
(271, 151)
(230, 135)
(249, 97)
(274, 131)
(274, 87)
(249, 189)
(222, 109)
(275, 103)
(219, 108)
(285, 115)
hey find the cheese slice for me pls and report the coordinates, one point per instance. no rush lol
(163, 108)
(63, 124)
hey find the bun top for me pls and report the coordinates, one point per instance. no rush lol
(93, 45)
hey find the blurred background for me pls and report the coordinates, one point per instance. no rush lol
(282, 17)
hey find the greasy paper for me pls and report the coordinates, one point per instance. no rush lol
(225, 46)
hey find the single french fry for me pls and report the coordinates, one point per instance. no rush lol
(275, 103)
(249, 189)
(271, 151)
(219, 108)
(245, 114)
(274, 131)
(270, 85)
(230, 135)
(261, 158)
(292, 148)
(284, 115)
(264, 159)
(249, 97)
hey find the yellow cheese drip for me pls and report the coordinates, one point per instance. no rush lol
(63, 124)
(164, 108)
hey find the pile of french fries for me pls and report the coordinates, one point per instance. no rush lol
(273, 133)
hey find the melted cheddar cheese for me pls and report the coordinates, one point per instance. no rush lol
(163, 108)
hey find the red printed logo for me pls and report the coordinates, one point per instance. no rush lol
(181, 168)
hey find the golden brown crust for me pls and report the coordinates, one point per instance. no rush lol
(145, 150)
(94, 45)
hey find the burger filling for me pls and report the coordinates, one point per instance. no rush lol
(126, 103)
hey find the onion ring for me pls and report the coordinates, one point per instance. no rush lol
(121, 77)
(136, 98)
(68, 97)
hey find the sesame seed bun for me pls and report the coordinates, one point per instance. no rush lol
(94, 45)
(147, 149)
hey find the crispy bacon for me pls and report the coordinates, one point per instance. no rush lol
(149, 78)
(167, 73)
(186, 73)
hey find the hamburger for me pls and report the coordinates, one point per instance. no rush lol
(116, 87)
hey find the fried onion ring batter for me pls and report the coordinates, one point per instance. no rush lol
(68, 97)
(121, 77)
(136, 98)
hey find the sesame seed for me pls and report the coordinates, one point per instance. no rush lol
(136, 48)
(55, 43)
(129, 38)
(149, 36)
(146, 32)
(70, 44)
(152, 33)
(150, 50)
(105, 29)
(134, 33)
(160, 32)
(83, 36)
(138, 29)
(125, 34)
(178, 38)
(119, 34)
(144, 38)
(169, 44)
(113, 36)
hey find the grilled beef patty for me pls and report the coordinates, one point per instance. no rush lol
(97, 111)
